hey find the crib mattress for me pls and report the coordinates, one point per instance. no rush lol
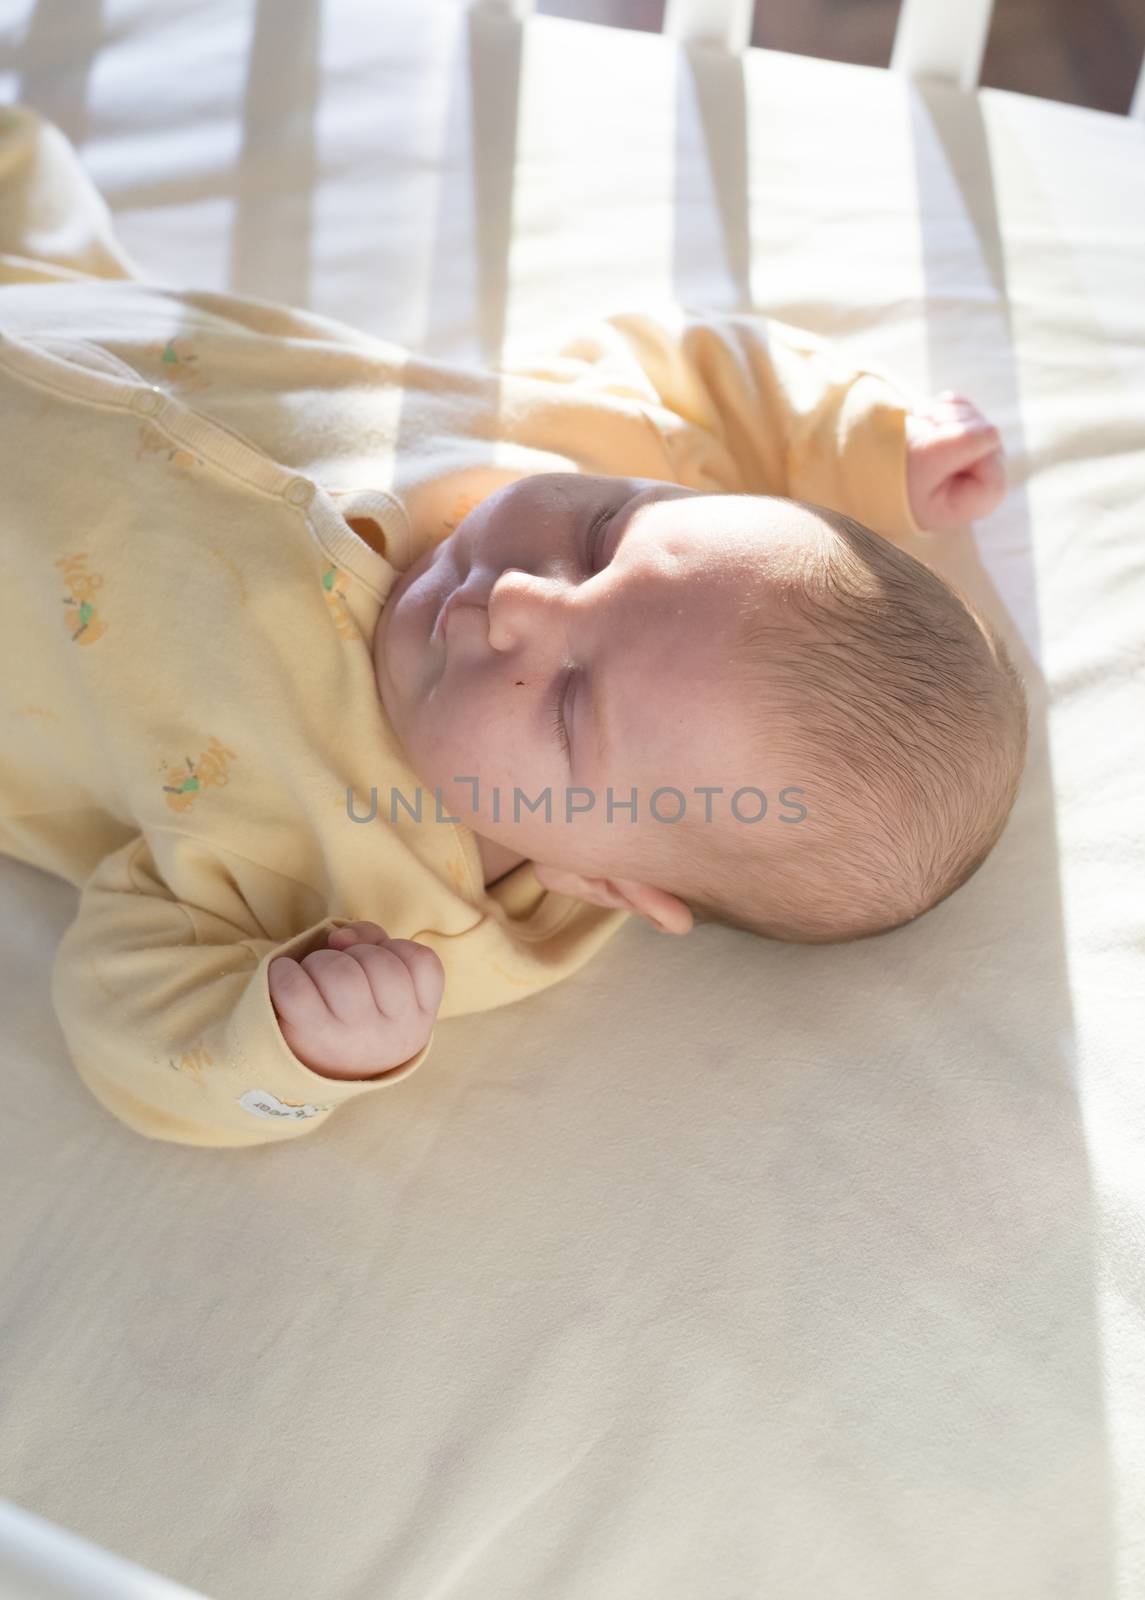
(726, 1268)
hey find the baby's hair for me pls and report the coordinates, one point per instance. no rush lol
(895, 706)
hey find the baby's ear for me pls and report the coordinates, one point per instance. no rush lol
(664, 911)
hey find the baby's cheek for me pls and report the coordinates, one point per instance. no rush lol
(459, 747)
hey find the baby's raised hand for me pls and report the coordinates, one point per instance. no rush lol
(361, 1006)
(956, 467)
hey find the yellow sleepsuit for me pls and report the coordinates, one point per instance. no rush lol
(189, 709)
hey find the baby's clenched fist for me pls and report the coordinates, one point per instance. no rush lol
(363, 1005)
(955, 465)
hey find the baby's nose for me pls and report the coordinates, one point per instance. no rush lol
(523, 607)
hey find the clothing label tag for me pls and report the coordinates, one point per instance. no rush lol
(261, 1103)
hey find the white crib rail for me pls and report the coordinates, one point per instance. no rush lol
(726, 22)
(942, 41)
(933, 39)
(39, 1560)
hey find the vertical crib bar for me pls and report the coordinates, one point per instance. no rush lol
(934, 39)
(723, 22)
(1137, 104)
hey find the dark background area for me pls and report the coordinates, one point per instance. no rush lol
(1085, 52)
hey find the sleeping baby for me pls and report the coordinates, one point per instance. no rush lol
(353, 689)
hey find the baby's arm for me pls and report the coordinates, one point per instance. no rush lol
(747, 404)
(166, 1010)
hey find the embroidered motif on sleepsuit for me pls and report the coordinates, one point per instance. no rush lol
(211, 769)
(38, 711)
(336, 600)
(192, 1061)
(152, 442)
(84, 623)
(179, 364)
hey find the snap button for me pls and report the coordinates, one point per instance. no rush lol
(147, 401)
(299, 492)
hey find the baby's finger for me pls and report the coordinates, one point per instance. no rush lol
(340, 980)
(944, 432)
(948, 404)
(950, 409)
(426, 970)
(294, 994)
(357, 933)
(991, 472)
(389, 979)
(972, 453)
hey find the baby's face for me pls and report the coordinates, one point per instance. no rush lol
(592, 610)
